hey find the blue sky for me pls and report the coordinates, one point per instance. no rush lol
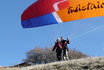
(85, 35)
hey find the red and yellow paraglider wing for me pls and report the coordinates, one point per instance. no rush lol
(47, 12)
(80, 9)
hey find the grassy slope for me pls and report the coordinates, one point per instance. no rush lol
(94, 63)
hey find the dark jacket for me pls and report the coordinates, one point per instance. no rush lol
(64, 44)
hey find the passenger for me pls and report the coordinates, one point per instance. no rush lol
(58, 47)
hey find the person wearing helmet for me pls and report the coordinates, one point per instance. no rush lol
(65, 48)
(58, 47)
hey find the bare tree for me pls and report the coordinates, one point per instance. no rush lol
(45, 55)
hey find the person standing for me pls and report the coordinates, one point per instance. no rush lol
(58, 47)
(65, 48)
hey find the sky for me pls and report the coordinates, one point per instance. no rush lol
(85, 35)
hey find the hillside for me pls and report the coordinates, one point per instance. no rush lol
(91, 63)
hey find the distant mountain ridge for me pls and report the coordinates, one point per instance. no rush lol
(90, 63)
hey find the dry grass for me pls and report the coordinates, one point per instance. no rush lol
(94, 63)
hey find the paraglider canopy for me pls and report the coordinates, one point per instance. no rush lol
(47, 12)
